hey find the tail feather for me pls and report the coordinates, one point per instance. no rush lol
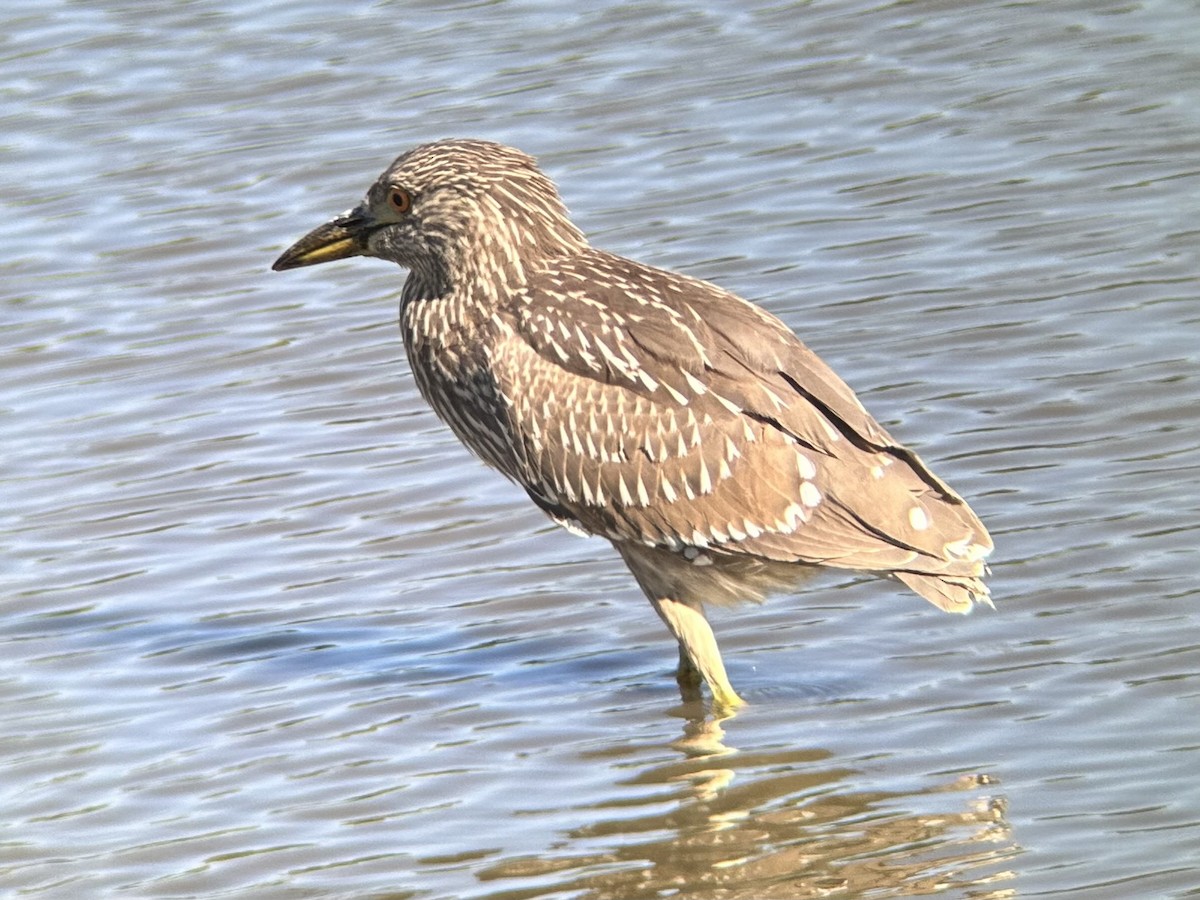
(952, 593)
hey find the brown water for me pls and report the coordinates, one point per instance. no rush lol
(269, 632)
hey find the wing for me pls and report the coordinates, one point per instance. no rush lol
(658, 409)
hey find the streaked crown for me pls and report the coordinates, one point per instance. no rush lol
(456, 210)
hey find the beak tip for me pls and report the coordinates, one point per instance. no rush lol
(338, 239)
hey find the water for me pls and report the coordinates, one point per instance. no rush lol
(269, 632)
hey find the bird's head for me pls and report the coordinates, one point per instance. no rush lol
(450, 210)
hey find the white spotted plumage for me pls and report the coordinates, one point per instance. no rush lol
(691, 428)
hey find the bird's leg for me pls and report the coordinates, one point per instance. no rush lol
(688, 677)
(687, 673)
(699, 656)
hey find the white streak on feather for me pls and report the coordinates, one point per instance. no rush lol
(650, 383)
(809, 495)
(731, 450)
(668, 491)
(727, 403)
(675, 395)
(794, 514)
(807, 470)
(626, 499)
(694, 425)
(917, 518)
(775, 398)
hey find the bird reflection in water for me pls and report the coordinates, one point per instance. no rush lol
(778, 824)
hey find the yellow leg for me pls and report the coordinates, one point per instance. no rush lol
(698, 652)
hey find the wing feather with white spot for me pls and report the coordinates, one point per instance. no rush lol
(660, 409)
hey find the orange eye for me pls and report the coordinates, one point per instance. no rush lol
(399, 200)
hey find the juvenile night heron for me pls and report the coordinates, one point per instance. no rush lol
(689, 427)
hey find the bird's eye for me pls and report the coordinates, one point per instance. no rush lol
(399, 200)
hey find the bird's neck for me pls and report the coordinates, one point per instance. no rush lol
(447, 325)
(449, 339)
